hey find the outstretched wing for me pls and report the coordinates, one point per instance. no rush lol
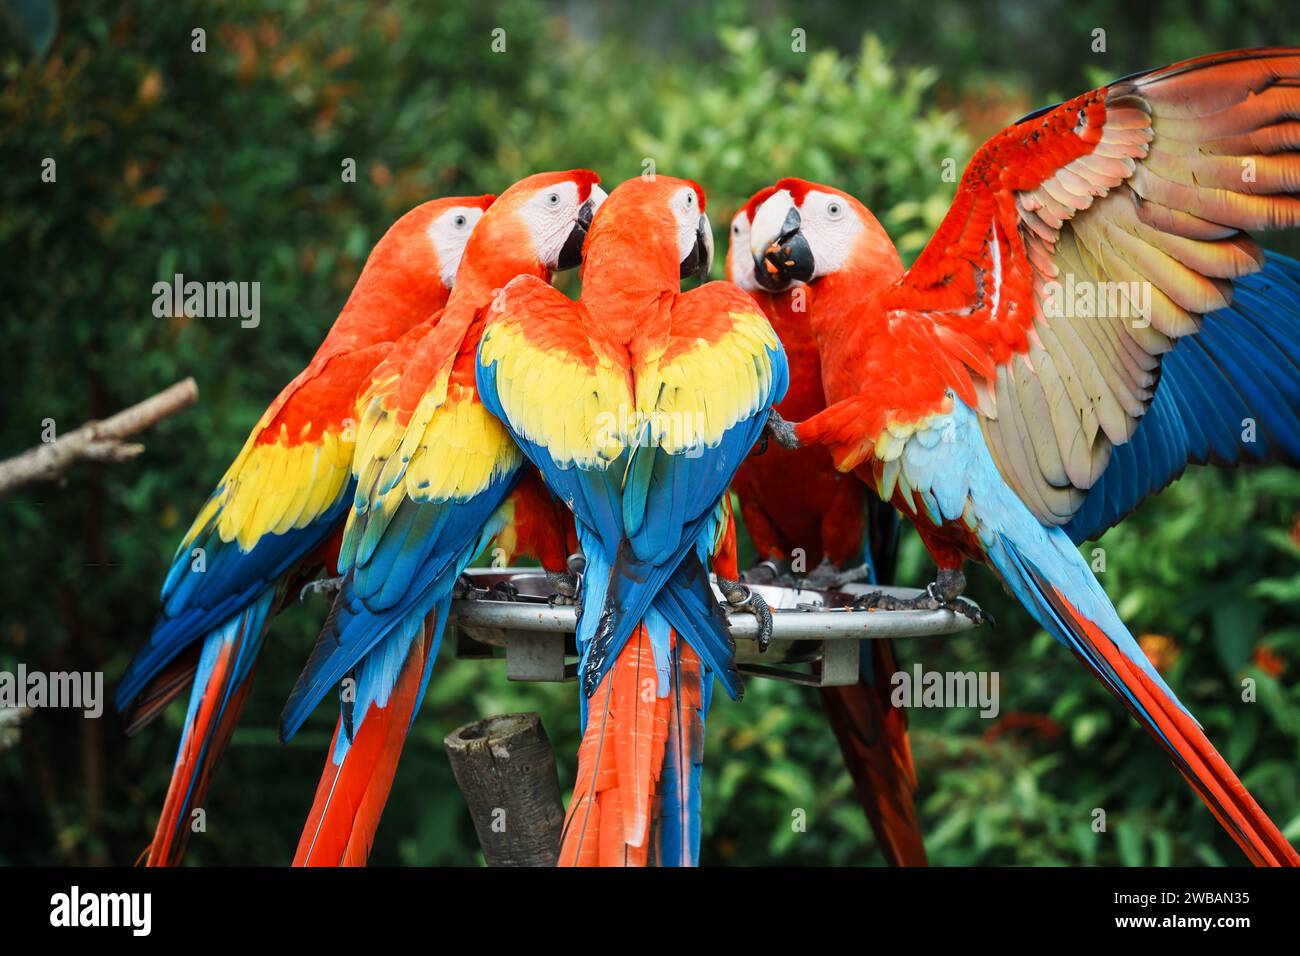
(278, 501)
(1229, 395)
(1083, 242)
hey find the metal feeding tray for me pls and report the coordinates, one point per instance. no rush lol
(815, 634)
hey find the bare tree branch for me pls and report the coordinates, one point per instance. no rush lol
(95, 441)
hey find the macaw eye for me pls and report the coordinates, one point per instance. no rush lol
(735, 230)
(553, 200)
(690, 200)
(459, 222)
(834, 210)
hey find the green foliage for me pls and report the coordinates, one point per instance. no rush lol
(226, 165)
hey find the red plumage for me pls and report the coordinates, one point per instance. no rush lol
(541, 527)
(401, 285)
(797, 499)
(1138, 182)
(351, 795)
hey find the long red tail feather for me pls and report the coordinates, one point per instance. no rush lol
(205, 742)
(873, 740)
(619, 763)
(1193, 754)
(351, 795)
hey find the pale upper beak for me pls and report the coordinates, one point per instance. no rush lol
(776, 241)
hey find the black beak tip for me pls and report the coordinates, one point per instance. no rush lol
(788, 259)
(704, 243)
(770, 279)
(571, 253)
(700, 261)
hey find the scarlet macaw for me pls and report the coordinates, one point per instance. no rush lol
(432, 469)
(538, 525)
(796, 499)
(1004, 421)
(637, 404)
(275, 516)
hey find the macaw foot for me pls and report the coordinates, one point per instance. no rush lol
(466, 590)
(567, 585)
(822, 577)
(327, 586)
(504, 591)
(859, 575)
(827, 577)
(766, 572)
(944, 593)
(741, 598)
(564, 585)
(781, 431)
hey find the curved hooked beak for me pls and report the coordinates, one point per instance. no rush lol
(700, 260)
(786, 259)
(571, 253)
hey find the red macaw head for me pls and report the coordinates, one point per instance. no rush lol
(421, 252)
(660, 221)
(537, 225)
(740, 261)
(804, 231)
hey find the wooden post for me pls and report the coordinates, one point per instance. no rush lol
(505, 769)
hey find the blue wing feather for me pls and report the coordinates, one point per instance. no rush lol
(367, 609)
(197, 603)
(1243, 364)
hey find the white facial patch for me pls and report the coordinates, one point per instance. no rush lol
(449, 233)
(740, 261)
(550, 216)
(831, 227)
(686, 212)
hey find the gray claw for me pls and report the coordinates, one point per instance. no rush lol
(944, 593)
(465, 590)
(765, 572)
(326, 586)
(782, 432)
(565, 586)
(827, 577)
(858, 575)
(741, 598)
(505, 591)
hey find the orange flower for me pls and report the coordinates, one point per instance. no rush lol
(1269, 662)
(150, 88)
(1160, 649)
